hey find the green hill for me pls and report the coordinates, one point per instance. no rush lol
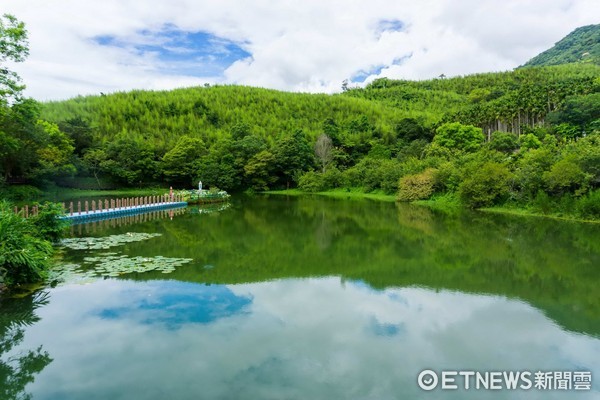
(528, 136)
(580, 46)
(209, 113)
(494, 101)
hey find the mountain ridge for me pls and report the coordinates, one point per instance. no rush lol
(580, 46)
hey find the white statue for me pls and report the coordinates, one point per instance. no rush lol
(200, 186)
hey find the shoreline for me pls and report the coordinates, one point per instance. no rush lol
(435, 204)
(339, 194)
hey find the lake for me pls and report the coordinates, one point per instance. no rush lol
(309, 298)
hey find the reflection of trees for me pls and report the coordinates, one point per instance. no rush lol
(18, 370)
(550, 264)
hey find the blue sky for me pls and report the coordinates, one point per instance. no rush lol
(179, 52)
(86, 46)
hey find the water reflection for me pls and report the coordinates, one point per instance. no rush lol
(551, 265)
(173, 304)
(295, 339)
(20, 364)
(315, 298)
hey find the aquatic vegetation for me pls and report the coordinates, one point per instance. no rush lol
(113, 265)
(106, 242)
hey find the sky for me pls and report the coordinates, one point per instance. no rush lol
(81, 47)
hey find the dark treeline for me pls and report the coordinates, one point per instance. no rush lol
(528, 136)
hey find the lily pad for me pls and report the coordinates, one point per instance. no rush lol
(113, 266)
(106, 242)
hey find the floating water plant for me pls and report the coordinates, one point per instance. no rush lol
(71, 273)
(106, 242)
(113, 265)
(119, 265)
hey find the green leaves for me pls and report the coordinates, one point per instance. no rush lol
(458, 137)
(112, 265)
(13, 47)
(179, 164)
(106, 242)
(24, 254)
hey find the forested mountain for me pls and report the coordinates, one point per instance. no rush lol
(529, 136)
(505, 101)
(581, 45)
(161, 117)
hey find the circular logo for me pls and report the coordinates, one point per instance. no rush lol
(427, 380)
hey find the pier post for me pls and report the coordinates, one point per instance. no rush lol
(79, 207)
(86, 207)
(71, 208)
(93, 206)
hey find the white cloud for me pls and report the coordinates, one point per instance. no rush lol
(302, 46)
(298, 338)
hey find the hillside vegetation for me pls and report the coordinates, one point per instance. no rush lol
(528, 138)
(580, 46)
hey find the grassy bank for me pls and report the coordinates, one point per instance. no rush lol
(529, 213)
(447, 203)
(350, 194)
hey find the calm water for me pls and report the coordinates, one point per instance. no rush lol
(302, 298)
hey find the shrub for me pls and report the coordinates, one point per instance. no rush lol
(485, 185)
(24, 256)
(21, 192)
(311, 182)
(47, 222)
(589, 206)
(333, 178)
(417, 186)
(565, 176)
(542, 203)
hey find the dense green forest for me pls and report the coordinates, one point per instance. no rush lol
(581, 45)
(528, 137)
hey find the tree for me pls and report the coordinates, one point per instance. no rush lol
(93, 159)
(54, 157)
(565, 176)
(13, 47)
(409, 129)
(259, 170)
(485, 185)
(504, 141)
(130, 162)
(80, 132)
(456, 136)
(580, 111)
(323, 150)
(180, 163)
(293, 154)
